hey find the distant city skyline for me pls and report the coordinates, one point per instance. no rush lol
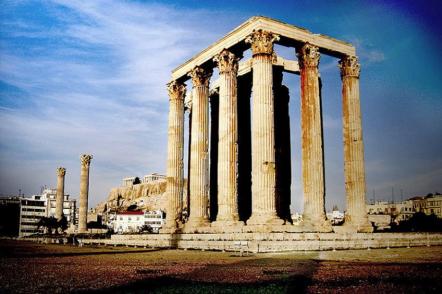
(89, 77)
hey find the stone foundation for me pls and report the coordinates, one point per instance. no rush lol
(274, 242)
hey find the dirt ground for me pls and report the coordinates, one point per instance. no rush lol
(27, 267)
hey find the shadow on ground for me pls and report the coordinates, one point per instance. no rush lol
(261, 275)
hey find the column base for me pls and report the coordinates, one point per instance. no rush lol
(320, 225)
(264, 219)
(172, 227)
(363, 226)
(227, 226)
(197, 225)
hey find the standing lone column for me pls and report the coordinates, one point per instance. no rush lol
(175, 153)
(61, 172)
(228, 139)
(263, 130)
(84, 191)
(312, 142)
(199, 165)
(356, 214)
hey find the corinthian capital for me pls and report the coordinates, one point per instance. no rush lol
(308, 56)
(200, 76)
(176, 90)
(61, 171)
(262, 41)
(85, 160)
(350, 67)
(227, 61)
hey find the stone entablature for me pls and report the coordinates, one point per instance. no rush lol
(289, 36)
(260, 149)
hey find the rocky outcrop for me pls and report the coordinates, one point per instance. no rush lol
(146, 196)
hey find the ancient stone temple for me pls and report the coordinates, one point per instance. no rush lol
(239, 168)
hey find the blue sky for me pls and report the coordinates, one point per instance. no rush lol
(89, 77)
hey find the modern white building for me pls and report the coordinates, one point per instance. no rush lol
(398, 211)
(155, 219)
(31, 211)
(133, 221)
(335, 217)
(37, 206)
(69, 205)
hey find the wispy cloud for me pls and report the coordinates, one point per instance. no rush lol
(95, 76)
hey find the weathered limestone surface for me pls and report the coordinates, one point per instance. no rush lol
(149, 196)
(84, 192)
(61, 172)
(263, 136)
(199, 164)
(175, 166)
(312, 144)
(332, 46)
(227, 140)
(354, 170)
(249, 176)
(274, 242)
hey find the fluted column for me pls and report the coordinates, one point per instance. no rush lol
(354, 171)
(263, 137)
(312, 141)
(59, 200)
(84, 191)
(175, 153)
(199, 171)
(227, 139)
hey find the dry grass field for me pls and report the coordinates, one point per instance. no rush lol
(27, 267)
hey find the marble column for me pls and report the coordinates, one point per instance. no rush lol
(354, 171)
(59, 200)
(263, 136)
(314, 218)
(199, 165)
(84, 191)
(175, 153)
(227, 140)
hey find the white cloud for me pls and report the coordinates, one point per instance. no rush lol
(95, 83)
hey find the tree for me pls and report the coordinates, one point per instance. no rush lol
(136, 181)
(146, 229)
(51, 224)
(48, 223)
(420, 222)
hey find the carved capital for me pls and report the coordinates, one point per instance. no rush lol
(61, 171)
(262, 41)
(227, 62)
(308, 56)
(350, 67)
(85, 160)
(200, 76)
(176, 90)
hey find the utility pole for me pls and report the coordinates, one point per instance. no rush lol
(392, 194)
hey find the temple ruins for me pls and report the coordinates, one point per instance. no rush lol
(242, 184)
